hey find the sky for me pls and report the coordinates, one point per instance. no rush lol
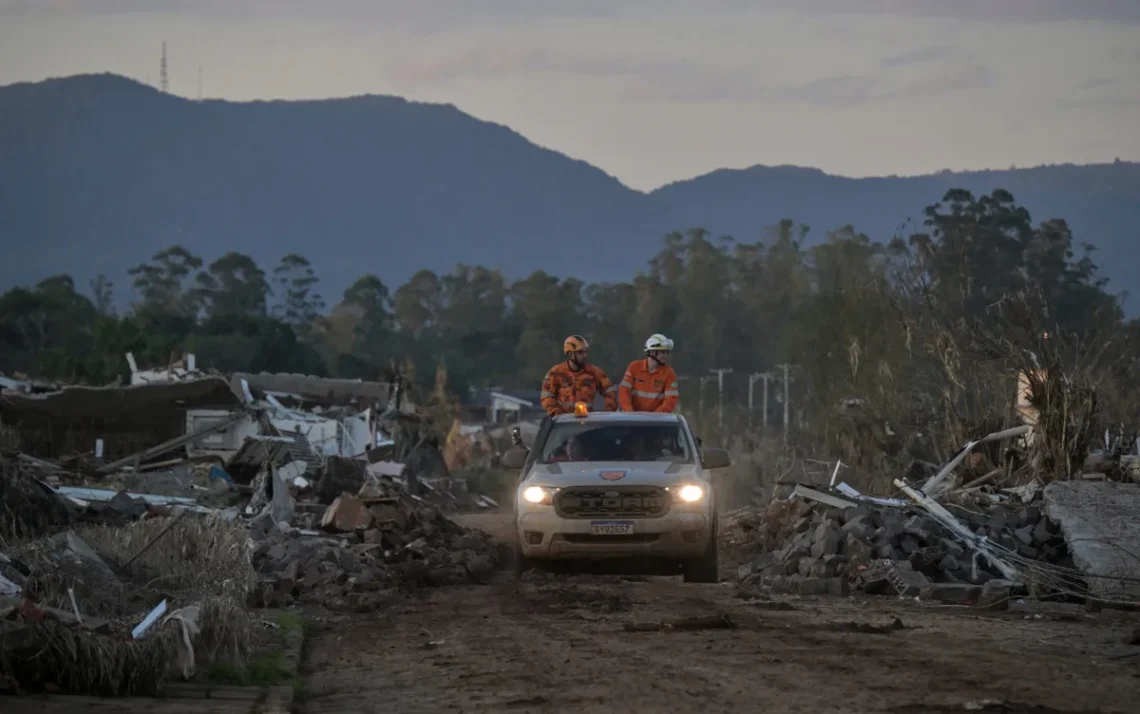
(655, 91)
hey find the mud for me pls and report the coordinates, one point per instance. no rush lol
(560, 644)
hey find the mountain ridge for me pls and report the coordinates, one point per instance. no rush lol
(99, 171)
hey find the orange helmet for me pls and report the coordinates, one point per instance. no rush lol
(574, 343)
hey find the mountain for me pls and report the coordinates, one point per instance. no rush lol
(98, 172)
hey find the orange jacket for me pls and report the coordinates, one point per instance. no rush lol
(643, 391)
(562, 387)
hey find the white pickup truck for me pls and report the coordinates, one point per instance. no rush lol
(618, 486)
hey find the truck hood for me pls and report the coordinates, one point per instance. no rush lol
(637, 473)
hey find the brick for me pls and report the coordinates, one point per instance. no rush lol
(811, 586)
(1025, 535)
(346, 514)
(857, 550)
(907, 582)
(838, 586)
(921, 528)
(1029, 516)
(909, 545)
(829, 545)
(374, 536)
(952, 547)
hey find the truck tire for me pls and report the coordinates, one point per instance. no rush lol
(703, 569)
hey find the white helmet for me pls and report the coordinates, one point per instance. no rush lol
(658, 343)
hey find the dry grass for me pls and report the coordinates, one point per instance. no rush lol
(200, 561)
(26, 511)
(76, 661)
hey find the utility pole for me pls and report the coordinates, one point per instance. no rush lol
(751, 382)
(787, 399)
(199, 83)
(162, 69)
(720, 372)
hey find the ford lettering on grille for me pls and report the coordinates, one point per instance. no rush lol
(635, 502)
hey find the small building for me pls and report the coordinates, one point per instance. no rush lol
(499, 406)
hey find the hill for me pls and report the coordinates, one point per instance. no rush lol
(98, 172)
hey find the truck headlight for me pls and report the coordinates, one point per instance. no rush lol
(691, 493)
(536, 494)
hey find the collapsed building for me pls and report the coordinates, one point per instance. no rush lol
(283, 488)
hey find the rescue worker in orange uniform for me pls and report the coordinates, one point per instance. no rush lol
(576, 380)
(650, 384)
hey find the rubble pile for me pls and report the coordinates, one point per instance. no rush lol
(113, 610)
(362, 545)
(30, 509)
(807, 547)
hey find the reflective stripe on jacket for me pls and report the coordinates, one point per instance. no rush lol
(643, 391)
(562, 387)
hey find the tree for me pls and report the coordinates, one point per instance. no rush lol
(233, 285)
(161, 283)
(545, 310)
(102, 292)
(298, 304)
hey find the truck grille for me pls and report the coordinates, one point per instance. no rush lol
(612, 501)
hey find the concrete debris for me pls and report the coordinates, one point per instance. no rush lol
(1099, 524)
(174, 505)
(810, 548)
(368, 543)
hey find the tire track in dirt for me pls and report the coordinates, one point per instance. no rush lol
(557, 644)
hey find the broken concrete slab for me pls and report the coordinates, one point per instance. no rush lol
(1099, 523)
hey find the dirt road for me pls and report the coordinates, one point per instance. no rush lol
(560, 644)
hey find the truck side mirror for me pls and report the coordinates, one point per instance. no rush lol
(715, 459)
(515, 457)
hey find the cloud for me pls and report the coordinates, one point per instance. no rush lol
(686, 81)
(1107, 101)
(484, 62)
(453, 13)
(1101, 92)
(934, 53)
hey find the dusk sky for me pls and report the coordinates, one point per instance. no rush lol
(654, 91)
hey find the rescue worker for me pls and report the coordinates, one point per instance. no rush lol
(650, 384)
(576, 380)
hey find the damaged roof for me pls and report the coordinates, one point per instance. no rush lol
(315, 389)
(114, 401)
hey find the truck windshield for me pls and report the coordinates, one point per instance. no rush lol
(576, 441)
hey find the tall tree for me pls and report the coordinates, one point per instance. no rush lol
(103, 294)
(298, 302)
(161, 284)
(545, 310)
(233, 285)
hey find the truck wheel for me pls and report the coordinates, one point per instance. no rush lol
(703, 569)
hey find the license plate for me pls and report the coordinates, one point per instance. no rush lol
(611, 527)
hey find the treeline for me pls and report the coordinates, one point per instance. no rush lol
(859, 318)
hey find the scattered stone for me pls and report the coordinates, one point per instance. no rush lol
(803, 545)
(345, 515)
